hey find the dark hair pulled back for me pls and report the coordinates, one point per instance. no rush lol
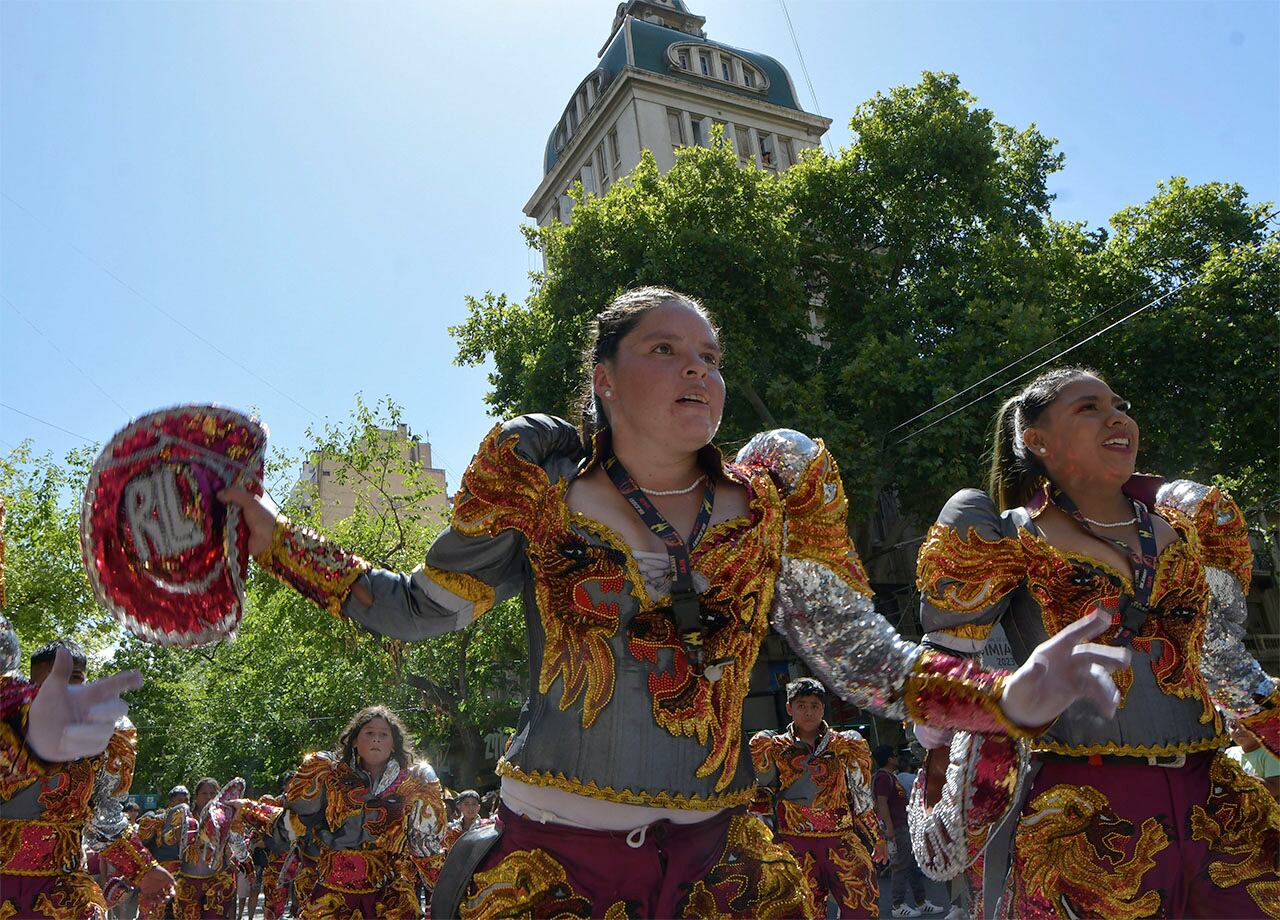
(1015, 471)
(402, 752)
(608, 329)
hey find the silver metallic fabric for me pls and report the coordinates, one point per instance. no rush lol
(9, 652)
(835, 629)
(940, 836)
(838, 633)
(108, 821)
(784, 452)
(1235, 679)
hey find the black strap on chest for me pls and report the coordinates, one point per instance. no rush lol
(686, 607)
(1134, 609)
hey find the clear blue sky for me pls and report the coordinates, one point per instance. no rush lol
(314, 187)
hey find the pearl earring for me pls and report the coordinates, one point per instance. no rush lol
(1044, 450)
(609, 393)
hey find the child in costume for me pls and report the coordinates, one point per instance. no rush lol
(820, 780)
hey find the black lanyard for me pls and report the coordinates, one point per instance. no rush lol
(1134, 610)
(686, 609)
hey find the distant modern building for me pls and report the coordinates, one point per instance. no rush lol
(337, 490)
(661, 84)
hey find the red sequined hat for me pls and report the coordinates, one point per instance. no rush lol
(163, 554)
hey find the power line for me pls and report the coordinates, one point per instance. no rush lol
(43, 422)
(40, 332)
(804, 69)
(1076, 328)
(1060, 354)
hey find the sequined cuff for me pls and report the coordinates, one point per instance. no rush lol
(1265, 724)
(16, 694)
(257, 815)
(19, 763)
(949, 692)
(128, 855)
(320, 571)
(982, 785)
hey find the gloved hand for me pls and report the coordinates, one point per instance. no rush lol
(69, 721)
(1063, 669)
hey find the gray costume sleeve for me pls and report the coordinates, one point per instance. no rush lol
(967, 569)
(464, 575)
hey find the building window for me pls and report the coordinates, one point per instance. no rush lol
(767, 156)
(573, 118)
(615, 157)
(676, 127)
(742, 142)
(786, 153)
(699, 135)
(588, 176)
(602, 167)
(717, 64)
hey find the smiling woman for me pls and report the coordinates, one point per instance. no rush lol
(651, 570)
(1069, 528)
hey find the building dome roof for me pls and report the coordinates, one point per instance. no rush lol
(655, 48)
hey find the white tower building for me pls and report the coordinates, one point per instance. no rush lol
(661, 84)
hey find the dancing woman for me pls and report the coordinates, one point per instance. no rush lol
(649, 570)
(365, 818)
(1137, 815)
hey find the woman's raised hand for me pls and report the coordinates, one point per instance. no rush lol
(259, 516)
(1063, 669)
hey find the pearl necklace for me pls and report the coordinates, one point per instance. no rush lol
(685, 491)
(1132, 520)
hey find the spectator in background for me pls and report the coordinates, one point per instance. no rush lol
(1255, 759)
(891, 808)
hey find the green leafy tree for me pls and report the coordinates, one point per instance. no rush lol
(855, 291)
(1201, 365)
(706, 227)
(48, 593)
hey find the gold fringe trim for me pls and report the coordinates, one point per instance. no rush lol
(1129, 750)
(465, 586)
(625, 796)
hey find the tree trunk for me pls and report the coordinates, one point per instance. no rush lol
(762, 411)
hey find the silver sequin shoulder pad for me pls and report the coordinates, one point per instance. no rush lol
(783, 452)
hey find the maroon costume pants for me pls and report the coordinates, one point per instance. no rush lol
(1129, 841)
(726, 866)
(840, 867)
(74, 895)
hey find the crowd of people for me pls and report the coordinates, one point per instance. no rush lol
(1090, 781)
